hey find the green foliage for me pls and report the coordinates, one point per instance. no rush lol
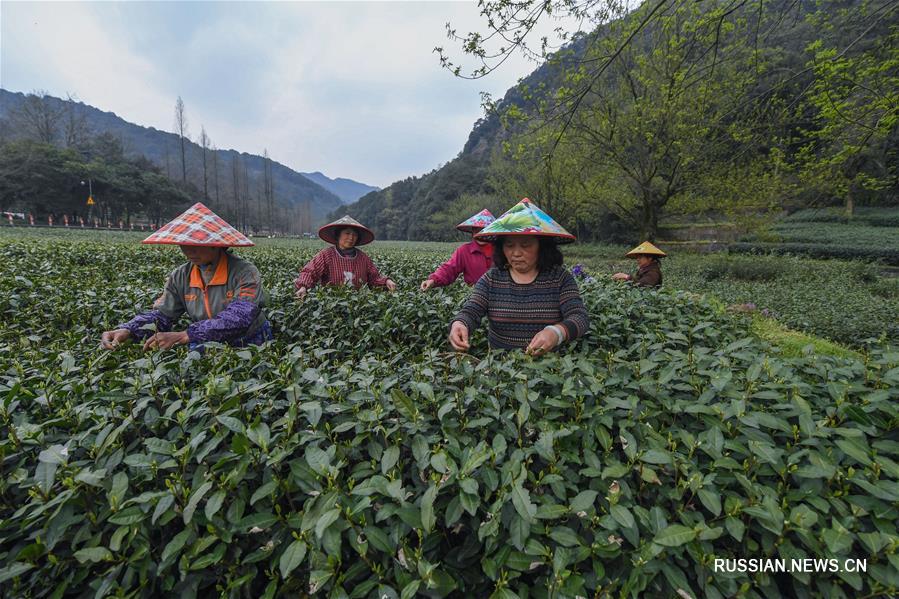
(654, 131)
(855, 99)
(872, 217)
(848, 302)
(859, 235)
(676, 109)
(887, 254)
(356, 456)
(43, 179)
(829, 234)
(795, 344)
(742, 270)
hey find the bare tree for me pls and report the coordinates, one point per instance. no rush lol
(215, 172)
(271, 188)
(246, 194)
(39, 117)
(268, 189)
(75, 126)
(181, 130)
(235, 187)
(204, 143)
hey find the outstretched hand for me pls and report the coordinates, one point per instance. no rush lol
(543, 342)
(112, 339)
(166, 340)
(458, 336)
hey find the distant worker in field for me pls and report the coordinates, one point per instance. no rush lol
(221, 293)
(530, 300)
(471, 259)
(649, 269)
(343, 263)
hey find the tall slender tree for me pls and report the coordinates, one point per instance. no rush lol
(215, 173)
(181, 130)
(235, 190)
(204, 145)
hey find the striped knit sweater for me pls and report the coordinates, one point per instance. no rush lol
(516, 313)
(330, 268)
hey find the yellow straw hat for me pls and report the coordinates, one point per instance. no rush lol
(646, 249)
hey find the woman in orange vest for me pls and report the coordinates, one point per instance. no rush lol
(221, 293)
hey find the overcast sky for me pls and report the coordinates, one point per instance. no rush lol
(352, 89)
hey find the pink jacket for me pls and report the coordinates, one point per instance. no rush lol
(468, 259)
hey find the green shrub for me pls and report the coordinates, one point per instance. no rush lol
(356, 457)
(755, 270)
(887, 254)
(872, 217)
(740, 268)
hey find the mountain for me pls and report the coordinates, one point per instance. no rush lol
(346, 189)
(762, 131)
(163, 149)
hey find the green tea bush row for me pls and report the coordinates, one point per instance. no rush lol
(848, 302)
(356, 457)
(872, 217)
(886, 254)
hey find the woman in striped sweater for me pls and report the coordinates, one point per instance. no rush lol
(531, 302)
(343, 263)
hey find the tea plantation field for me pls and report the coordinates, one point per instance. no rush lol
(356, 456)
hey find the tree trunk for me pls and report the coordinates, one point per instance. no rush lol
(649, 222)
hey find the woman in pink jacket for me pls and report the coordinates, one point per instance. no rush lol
(471, 259)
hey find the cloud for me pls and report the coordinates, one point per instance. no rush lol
(352, 89)
(63, 47)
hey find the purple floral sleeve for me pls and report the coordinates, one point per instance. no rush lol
(162, 322)
(231, 322)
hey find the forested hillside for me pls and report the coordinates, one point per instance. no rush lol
(732, 111)
(254, 191)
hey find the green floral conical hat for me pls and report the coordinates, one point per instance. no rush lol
(525, 218)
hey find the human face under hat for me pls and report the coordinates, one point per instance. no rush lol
(199, 255)
(644, 260)
(522, 253)
(347, 238)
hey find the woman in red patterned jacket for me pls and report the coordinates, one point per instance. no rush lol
(343, 263)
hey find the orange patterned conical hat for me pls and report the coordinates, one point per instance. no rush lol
(198, 225)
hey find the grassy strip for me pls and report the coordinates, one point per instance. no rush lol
(793, 344)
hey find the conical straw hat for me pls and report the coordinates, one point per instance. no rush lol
(198, 225)
(525, 218)
(328, 232)
(476, 222)
(646, 249)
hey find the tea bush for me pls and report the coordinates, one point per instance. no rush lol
(873, 217)
(356, 457)
(869, 236)
(847, 302)
(886, 254)
(741, 269)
